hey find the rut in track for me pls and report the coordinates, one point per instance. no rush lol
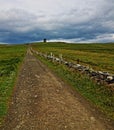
(41, 101)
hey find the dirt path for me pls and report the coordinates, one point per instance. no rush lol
(42, 101)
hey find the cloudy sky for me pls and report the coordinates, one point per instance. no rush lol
(63, 20)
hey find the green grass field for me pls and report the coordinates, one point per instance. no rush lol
(11, 56)
(98, 56)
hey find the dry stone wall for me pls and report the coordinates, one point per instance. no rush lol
(99, 76)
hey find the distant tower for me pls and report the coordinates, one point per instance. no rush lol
(45, 40)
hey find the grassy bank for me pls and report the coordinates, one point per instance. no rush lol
(10, 59)
(101, 96)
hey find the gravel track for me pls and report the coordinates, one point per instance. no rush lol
(42, 101)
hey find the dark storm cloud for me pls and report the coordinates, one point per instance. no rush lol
(77, 21)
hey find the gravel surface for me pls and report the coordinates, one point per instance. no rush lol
(42, 101)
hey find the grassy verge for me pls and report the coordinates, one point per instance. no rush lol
(10, 59)
(101, 96)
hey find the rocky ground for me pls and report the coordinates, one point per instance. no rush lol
(42, 101)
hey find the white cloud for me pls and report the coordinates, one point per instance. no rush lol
(100, 38)
(49, 15)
